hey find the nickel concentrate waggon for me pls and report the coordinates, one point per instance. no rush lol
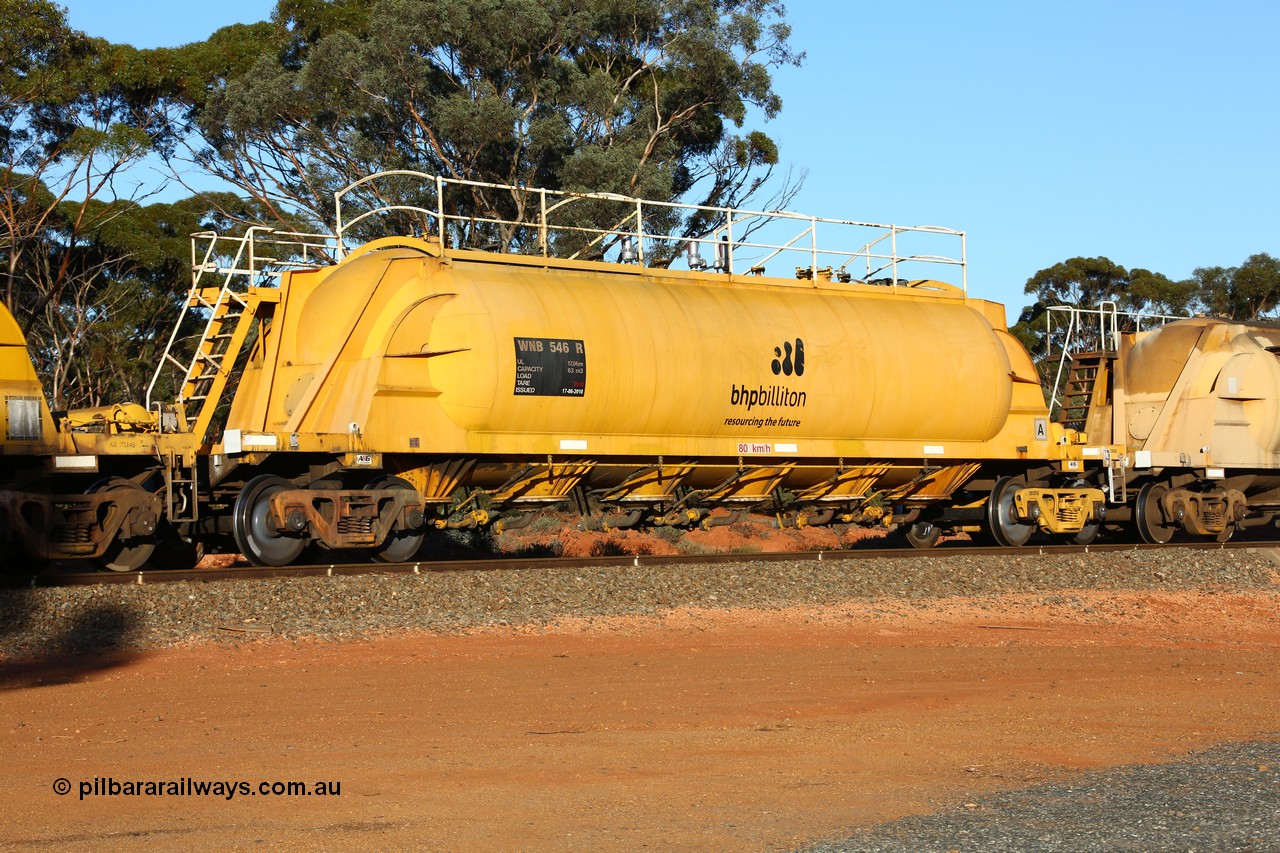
(496, 365)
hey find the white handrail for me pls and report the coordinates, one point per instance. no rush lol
(1108, 319)
(776, 228)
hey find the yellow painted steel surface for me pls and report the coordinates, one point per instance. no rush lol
(28, 426)
(407, 349)
(1205, 392)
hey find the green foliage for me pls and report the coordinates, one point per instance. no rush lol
(695, 548)
(123, 281)
(545, 524)
(75, 112)
(1156, 293)
(34, 38)
(92, 275)
(1080, 281)
(1246, 292)
(633, 97)
(638, 98)
(613, 548)
(670, 535)
(1088, 283)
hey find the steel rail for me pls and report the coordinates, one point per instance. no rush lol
(485, 564)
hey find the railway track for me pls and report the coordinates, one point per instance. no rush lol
(53, 578)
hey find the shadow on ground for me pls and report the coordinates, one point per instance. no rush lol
(89, 638)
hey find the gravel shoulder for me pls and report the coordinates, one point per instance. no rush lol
(45, 622)
(1226, 798)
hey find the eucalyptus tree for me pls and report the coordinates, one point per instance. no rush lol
(76, 114)
(649, 98)
(89, 269)
(1091, 284)
(1248, 292)
(126, 278)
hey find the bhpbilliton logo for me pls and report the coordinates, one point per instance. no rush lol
(788, 360)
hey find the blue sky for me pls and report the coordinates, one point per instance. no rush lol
(1143, 131)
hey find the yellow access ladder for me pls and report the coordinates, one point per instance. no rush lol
(1086, 369)
(219, 317)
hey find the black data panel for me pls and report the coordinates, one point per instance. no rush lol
(551, 367)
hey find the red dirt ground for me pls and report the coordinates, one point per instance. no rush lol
(741, 537)
(700, 730)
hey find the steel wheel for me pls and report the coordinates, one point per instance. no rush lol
(1084, 535)
(1147, 516)
(923, 534)
(400, 545)
(122, 556)
(255, 535)
(1002, 521)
